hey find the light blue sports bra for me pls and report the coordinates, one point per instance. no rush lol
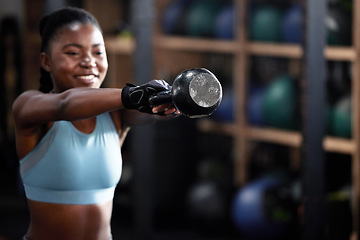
(72, 167)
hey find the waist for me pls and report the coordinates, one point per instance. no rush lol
(81, 197)
(70, 222)
(26, 238)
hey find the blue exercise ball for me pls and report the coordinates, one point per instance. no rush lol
(292, 29)
(225, 22)
(225, 111)
(260, 210)
(174, 16)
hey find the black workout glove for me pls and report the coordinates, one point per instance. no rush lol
(137, 97)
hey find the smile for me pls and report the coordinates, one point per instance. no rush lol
(87, 78)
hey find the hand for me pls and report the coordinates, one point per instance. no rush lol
(137, 97)
(166, 110)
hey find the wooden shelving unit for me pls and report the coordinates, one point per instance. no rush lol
(241, 48)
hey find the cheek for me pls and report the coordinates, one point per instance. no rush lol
(103, 65)
(64, 65)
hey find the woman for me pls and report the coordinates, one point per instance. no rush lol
(69, 133)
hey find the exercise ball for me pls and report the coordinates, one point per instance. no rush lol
(225, 111)
(263, 209)
(224, 24)
(291, 27)
(172, 22)
(341, 123)
(279, 103)
(338, 26)
(201, 18)
(206, 204)
(266, 24)
(254, 106)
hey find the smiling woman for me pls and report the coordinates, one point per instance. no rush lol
(77, 57)
(69, 133)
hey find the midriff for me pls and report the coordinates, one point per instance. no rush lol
(70, 222)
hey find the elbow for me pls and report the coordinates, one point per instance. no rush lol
(64, 108)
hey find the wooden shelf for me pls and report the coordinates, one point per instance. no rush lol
(274, 49)
(339, 145)
(340, 53)
(180, 43)
(278, 136)
(118, 45)
(206, 125)
(195, 44)
(296, 51)
(283, 137)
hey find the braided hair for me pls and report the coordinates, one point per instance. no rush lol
(49, 27)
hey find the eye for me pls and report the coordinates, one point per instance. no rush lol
(71, 53)
(99, 50)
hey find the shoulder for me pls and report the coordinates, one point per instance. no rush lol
(25, 96)
(26, 107)
(22, 99)
(30, 93)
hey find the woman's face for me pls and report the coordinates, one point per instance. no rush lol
(76, 57)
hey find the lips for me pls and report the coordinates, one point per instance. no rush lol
(87, 78)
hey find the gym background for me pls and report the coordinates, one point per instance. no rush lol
(248, 171)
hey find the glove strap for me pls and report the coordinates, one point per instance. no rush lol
(125, 96)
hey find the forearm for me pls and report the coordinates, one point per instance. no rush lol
(78, 103)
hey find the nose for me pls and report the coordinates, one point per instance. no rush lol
(88, 62)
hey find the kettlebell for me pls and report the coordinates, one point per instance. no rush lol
(195, 93)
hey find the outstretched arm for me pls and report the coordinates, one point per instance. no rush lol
(34, 108)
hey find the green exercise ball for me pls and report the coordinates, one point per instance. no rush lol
(201, 18)
(266, 22)
(341, 124)
(329, 113)
(279, 103)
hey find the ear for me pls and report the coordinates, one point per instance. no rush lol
(45, 62)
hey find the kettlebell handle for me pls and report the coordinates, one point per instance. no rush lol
(160, 98)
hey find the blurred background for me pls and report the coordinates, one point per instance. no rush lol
(242, 173)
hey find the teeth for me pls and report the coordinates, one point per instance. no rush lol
(87, 77)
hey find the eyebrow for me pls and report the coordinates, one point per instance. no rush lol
(80, 46)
